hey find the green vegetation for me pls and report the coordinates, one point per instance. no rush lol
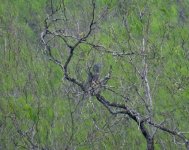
(142, 47)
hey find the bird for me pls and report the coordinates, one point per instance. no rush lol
(96, 73)
(93, 80)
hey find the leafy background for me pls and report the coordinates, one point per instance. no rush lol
(38, 106)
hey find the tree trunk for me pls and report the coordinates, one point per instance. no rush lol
(150, 144)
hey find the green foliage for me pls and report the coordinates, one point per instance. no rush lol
(37, 102)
